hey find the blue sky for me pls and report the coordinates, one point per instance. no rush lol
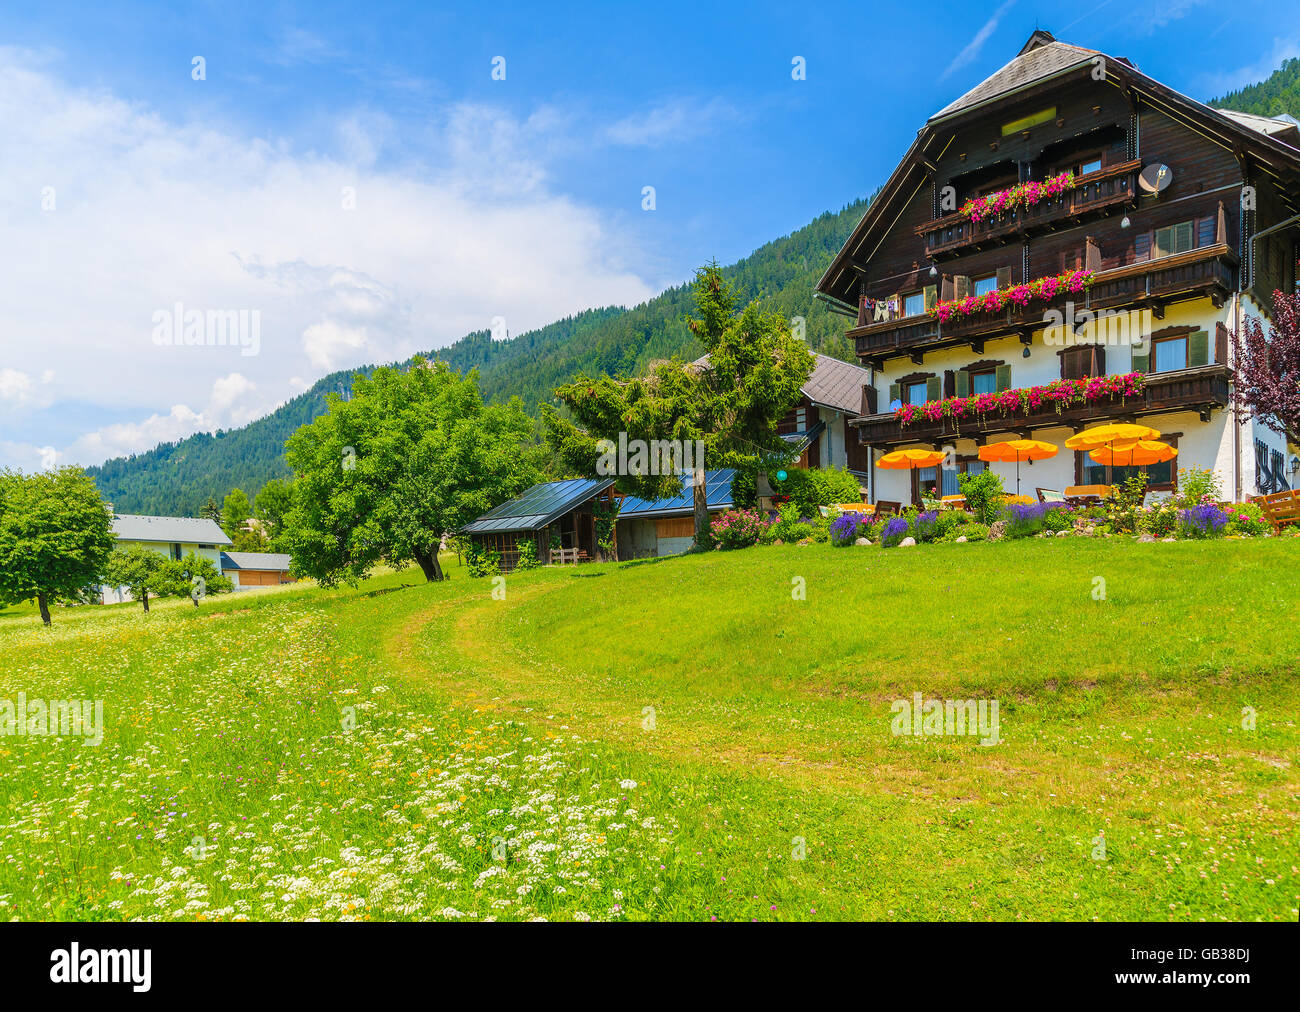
(474, 200)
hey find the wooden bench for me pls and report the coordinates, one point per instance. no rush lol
(1279, 508)
(888, 507)
(563, 556)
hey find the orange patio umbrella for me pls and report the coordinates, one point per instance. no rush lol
(1135, 453)
(1018, 450)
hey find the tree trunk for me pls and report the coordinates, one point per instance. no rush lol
(701, 507)
(144, 597)
(431, 566)
(45, 608)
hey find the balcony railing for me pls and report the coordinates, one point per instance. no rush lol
(1210, 271)
(1096, 191)
(1200, 389)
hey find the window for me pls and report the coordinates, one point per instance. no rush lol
(176, 552)
(1160, 477)
(984, 285)
(944, 481)
(914, 304)
(916, 393)
(1173, 239)
(1170, 353)
(985, 381)
(1090, 164)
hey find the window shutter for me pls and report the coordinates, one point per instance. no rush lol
(1004, 277)
(1003, 378)
(1205, 231)
(1221, 344)
(895, 393)
(945, 288)
(949, 383)
(963, 383)
(961, 285)
(1198, 348)
(1098, 361)
(934, 389)
(1142, 358)
(1070, 364)
(931, 297)
(1142, 246)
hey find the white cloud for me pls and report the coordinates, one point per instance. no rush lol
(148, 213)
(673, 121)
(973, 47)
(19, 391)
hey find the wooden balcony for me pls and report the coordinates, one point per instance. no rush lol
(1201, 389)
(1095, 193)
(1150, 284)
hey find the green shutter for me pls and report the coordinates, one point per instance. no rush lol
(934, 389)
(1142, 357)
(895, 393)
(1003, 378)
(1184, 238)
(963, 383)
(1198, 348)
(931, 298)
(961, 286)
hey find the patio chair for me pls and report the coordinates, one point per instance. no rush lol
(887, 507)
(1279, 508)
(1050, 495)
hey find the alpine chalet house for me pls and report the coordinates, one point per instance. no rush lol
(1070, 218)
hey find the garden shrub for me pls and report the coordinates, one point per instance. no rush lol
(1247, 518)
(971, 530)
(1197, 485)
(738, 528)
(925, 526)
(791, 525)
(1160, 519)
(947, 520)
(480, 561)
(1124, 506)
(808, 489)
(527, 555)
(894, 530)
(1058, 516)
(983, 494)
(847, 528)
(1203, 521)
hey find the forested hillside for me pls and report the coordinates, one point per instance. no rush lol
(176, 479)
(1277, 95)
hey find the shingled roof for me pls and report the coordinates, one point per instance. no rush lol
(1040, 59)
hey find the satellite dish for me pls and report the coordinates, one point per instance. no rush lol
(1156, 178)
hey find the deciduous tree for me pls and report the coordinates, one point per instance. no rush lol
(1267, 382)
(56, 534)
(411, 455)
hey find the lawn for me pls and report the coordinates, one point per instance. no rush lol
(690, 738)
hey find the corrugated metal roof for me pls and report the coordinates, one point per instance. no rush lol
(255, 560)
(538, 506)
(717, 488)
(202, 531)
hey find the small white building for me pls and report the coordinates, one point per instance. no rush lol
(174, 537)
(256, 569)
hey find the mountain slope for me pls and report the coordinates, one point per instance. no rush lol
(1276, 95)
(177, 478)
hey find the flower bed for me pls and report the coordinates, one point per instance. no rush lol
(1021, 195)
(1040, 289)
(1059, 395)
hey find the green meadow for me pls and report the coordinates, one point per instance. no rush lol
(693, 738)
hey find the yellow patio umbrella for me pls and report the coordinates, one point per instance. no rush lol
(1134, 454)
(1106, 435)
(1018, 450)
(902, 460)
